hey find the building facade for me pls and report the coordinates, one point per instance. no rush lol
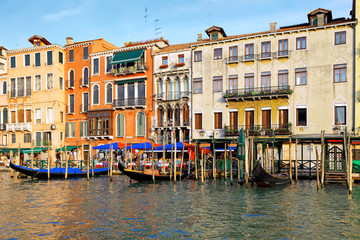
(3, 98)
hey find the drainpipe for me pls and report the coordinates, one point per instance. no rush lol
(192, 92)
(354, 79)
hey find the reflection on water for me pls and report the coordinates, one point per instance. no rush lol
(103, 209)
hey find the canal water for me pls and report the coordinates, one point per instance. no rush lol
(103, 209)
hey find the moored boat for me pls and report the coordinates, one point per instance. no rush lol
(56, 173)
(262, 177)
(144, 176)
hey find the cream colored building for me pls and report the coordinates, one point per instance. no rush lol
(172, 72)
(36, 95)
(3, 98)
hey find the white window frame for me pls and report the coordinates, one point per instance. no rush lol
(341, 104)
(49, 118)
(305, 106)
(136, 124)
(92, 66)
(10, 61)
(35, 113)
(35, 90)
(47, 75)
(92, 95)
(306, 42)
(28, 54)
(72, 94)
(222, 118)
(346, 38)
(105, 70)
(35, 60)
(112, 98)
(52, 56)
(124, 126)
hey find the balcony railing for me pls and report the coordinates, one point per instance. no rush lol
(249, 93)
(2, 127)
(100, 132)
(129, 102)
(84, 108)
(12, 127)
(70, 109)
(261, 56)
(84, 82)
(138, 68)
(70, 84)
(172, 96)
(283, 53)
(257, 130)
(170, 124)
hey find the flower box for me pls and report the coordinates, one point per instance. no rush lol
(179, 64)
(164, 66)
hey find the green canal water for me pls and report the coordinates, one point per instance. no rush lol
(119, 209)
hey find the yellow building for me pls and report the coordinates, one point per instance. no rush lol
(36, 96)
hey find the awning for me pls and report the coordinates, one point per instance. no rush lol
(14, 150)
(130, 80)
(35, 150)
(68, 148)
(125, 57)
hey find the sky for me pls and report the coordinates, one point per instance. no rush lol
(120, 21)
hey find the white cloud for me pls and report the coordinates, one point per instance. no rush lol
(54, 17)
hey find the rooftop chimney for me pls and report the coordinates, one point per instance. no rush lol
(199, 37)
(273, 27)
(69, 40)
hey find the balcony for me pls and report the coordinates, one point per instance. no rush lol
(169, 124)
(258, 93)
(2, 127)
(123, 71)
(100, 133)
(282, 54)
(84, 82)
(129, 102)
(172, 96)
(12, 127)
(265, 56)
(84, 108)
(70, 84)
(260, 130)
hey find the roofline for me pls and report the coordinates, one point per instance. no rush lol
(34, 48)
(268, 33)
(123, 49)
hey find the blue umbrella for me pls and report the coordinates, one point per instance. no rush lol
(179, 146)
(141, 146)
(107, 146)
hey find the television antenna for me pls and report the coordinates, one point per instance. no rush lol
(158, 30)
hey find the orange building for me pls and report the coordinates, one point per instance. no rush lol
(77, 75)
(122, 107)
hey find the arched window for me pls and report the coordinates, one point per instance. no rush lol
(71, 78)
(120, 125)
(169, 90)
(109, 93)
(177, 88)
(86, 76)
(5, 115)
(96, 94)
(4, 87)
(186, 84)
(140, 124)
(160, 86)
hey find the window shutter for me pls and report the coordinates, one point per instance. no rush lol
(67, 130)
(81, 129)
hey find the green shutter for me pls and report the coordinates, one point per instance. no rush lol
(67, 130)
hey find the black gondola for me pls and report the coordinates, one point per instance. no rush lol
(142, 176)
(56, 173)
(262, 177)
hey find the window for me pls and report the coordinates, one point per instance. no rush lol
(301, 116)
(71, 103)
(108, 65)
(283, 47)
(13, 62)
(99, 124)
(71, 55)
(83, 129)
(315, 21)
(198, 121)
(300, 76)
(233, 120)
(265, 81)
(49, 58)
(249, 119)
(96, 94)
(27, 137)
(50, 115)
(13, 138)
(283, 118)
(27, 60)
(109, 92)
(233, 80)
(12, 87)
(85, 53)
(38, 116)
(141, 93)
(181, 59)
(96, 66)
(214, 36)
(340, 115)
(4, 90)
(197, 56)
(70, 130)
(340, 38)
(266, 119)
(20, 114)
(38, 139)
(49, 81)
(120, 125)
(300, 43)
(37, 60)
(217, 83)
(85, 77)
(140, 124)
(4, 140)
(61, 117)
(28, 86)
(2, 66)
(164, 61)
(249, 82)
(37, 82)
(13, 116)
(218, 120)
(71, 78)
(283, 79)
(233, 54)
(249, 51)
(5, 115)
(340, 73)
(85, 99)
(265, 50)
(20, 87)
(197, 85)
(61, 83)
(217, 53)
(61, 57)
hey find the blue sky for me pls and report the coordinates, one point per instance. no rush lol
(119, 21)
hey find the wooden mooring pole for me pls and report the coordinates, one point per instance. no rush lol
(182, 160)
(152, 162)
(66, 163)
(322, 157)
(290, 158)
(231, 169)
(49, 160)
(225, 153)
(296, 161)
(202, 166)
(317, 169)
(88, 161)
(196, 160)
(350, 169)
(12, 160)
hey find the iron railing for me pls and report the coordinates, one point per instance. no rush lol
(84, 82)
(171, 96)
(260, 91)
(84, 108)
(100, 132)
(2, 127)
(129, 102)
(70, 84)
(256, 130)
